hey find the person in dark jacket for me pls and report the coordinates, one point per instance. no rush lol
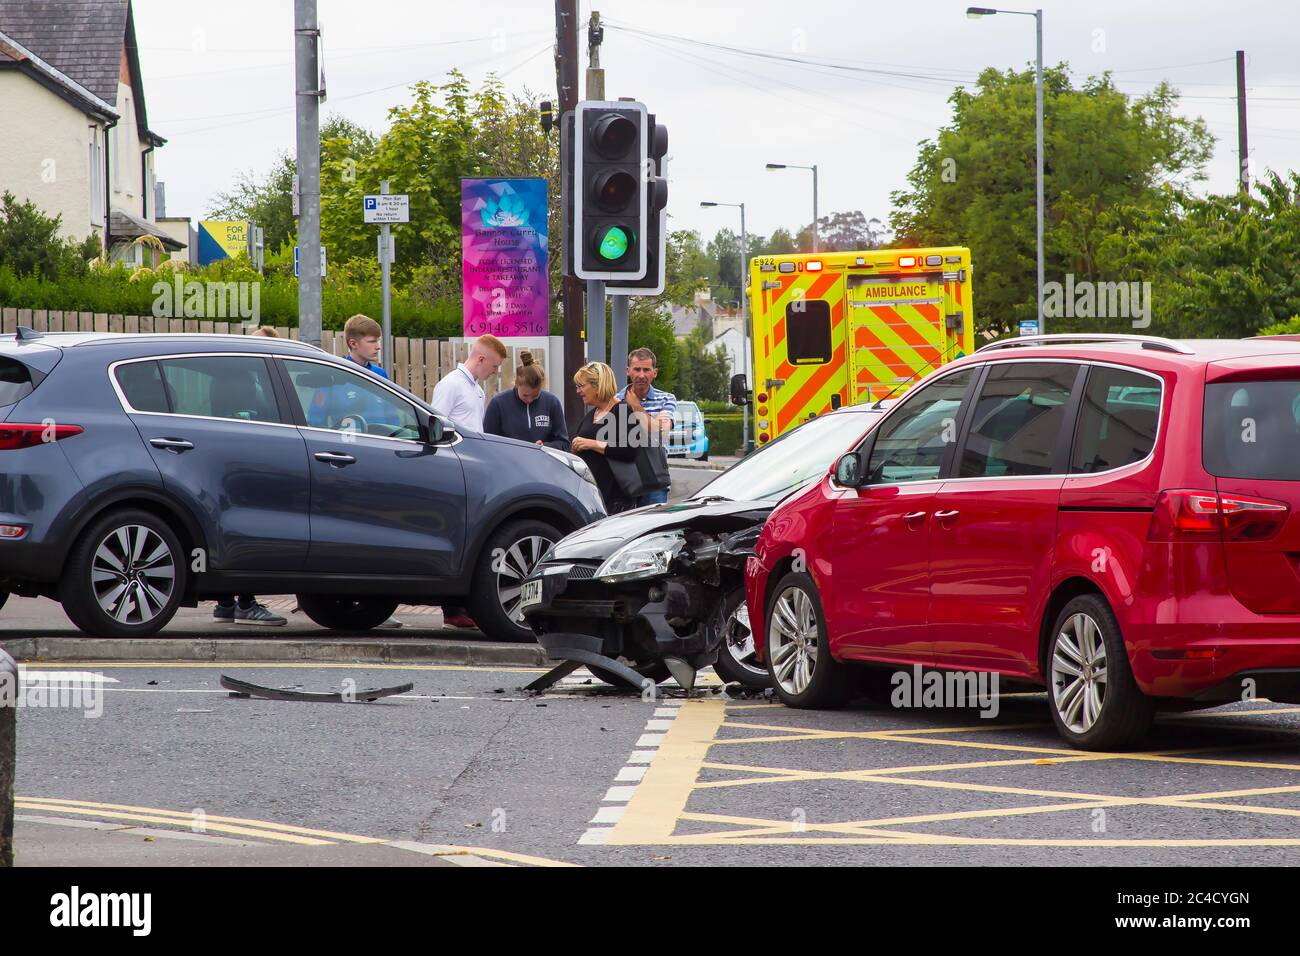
(526, 412)
(609, 430)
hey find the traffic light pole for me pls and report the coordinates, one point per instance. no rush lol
(619, 306)
(566, 82)
(595, 287)
(595, 320)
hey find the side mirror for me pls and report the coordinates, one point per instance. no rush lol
(848, 470)
(739, 390)
(435, 430)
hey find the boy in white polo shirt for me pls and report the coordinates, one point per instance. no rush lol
(459, 395)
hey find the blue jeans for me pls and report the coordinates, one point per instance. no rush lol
(653, 498)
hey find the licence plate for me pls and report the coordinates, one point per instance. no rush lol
(531, 593)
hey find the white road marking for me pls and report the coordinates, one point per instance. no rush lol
(631, 773)
(64, 677)
(619, 794)
(608, 815)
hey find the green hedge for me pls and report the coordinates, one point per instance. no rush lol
(121, 292)
(724, 433)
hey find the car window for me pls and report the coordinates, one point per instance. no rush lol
(220, 386)
(15, 381)
(808, 332)
(342, 400)
(911, 442)
(1017, 420)
(1252, 430)
(1117, 420)
(141, 383)
(799, 456)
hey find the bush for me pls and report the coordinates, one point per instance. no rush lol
(118, 290)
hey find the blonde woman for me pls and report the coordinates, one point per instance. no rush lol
(609, 429)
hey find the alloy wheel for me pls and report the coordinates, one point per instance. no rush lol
(1079, 673)
(512, 566)
(793, 640)
(133, 574)
(738, 640)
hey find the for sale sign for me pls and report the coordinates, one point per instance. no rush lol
(506, 286)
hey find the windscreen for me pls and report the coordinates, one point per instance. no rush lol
(793, 460)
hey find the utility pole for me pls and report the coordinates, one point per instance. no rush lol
(595, 287)
(306, 48)
(385, 266)
(1038, 179)
(566, 84)
(1243, 151)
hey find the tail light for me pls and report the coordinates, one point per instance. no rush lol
(28, 436)
(1191, 515)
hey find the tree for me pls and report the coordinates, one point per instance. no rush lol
(30, 243)
(974, 183)
(1221, 266)
(702, 375)
(268, 201)
(724, 250)
(842, 232)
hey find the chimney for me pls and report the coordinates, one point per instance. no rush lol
(159, 200)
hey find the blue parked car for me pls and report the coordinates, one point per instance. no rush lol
(142, 472)
(687, 438)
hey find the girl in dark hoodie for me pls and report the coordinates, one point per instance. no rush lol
(526, 412)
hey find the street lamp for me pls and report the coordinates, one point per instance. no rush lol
(744, 309)
(976, 13)
(814, 172)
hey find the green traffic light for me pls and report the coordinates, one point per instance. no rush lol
(613, 244)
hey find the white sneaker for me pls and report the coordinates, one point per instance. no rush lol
(392, 622)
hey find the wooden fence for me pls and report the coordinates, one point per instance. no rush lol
(416, 364)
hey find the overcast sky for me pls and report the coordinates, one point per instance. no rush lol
(219, 81)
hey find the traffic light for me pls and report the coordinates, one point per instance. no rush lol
(656, 233)
(610, 190)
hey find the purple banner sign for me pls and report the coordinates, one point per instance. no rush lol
(506, 284)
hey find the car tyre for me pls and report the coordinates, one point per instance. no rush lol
(509, 556)
(124, 576)
(346, 613)
(735, 663)
(799, 661)
(1095, 702)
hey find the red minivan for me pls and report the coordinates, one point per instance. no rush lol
(1112, 517)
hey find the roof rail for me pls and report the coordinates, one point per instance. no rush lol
(1062, 338)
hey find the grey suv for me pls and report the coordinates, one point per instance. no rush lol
(142, 472)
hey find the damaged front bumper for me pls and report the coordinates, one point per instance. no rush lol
(675, 615)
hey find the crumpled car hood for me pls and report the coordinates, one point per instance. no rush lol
(598, 541)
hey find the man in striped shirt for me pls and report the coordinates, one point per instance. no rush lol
(658, 406)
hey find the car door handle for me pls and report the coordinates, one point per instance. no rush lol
(176, 445)
(947, 518)
(334, 458)
(914, 519)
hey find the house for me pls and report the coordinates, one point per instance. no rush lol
(74, 132)
(729, 341)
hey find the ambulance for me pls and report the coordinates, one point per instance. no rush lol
(845, 328)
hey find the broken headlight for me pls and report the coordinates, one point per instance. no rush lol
(647, 557)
